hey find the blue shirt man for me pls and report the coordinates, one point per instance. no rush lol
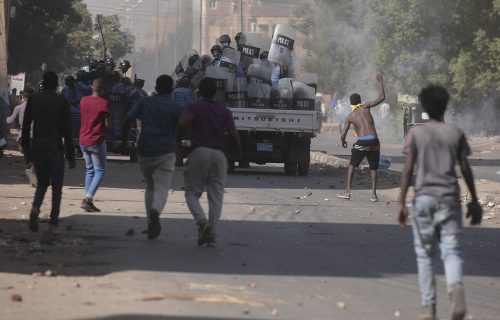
(159, 116)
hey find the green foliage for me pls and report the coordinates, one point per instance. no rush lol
(412, 42)
(60, 35)
(118, 42)
(38, 34)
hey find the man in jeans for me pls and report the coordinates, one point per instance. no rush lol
(50, 115)
(437, 214)
(159, 116)
(207, 163)
(95, 119)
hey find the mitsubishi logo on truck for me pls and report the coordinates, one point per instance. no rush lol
(265, 118)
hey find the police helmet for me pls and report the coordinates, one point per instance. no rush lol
(93, 64)
(240, 38)
(225, 39)
(110, 63)
(216, 47)
(101, 66)
(125, 65)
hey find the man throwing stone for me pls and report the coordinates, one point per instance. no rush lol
(367, 144)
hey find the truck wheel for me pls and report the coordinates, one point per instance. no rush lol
(303, 168)
(133, 155)
(230, 166)
(290, 168)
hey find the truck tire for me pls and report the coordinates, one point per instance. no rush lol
(303, 168)
(290, 168)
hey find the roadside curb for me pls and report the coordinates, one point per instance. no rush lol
(325, 158)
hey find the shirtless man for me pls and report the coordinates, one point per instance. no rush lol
(367, 145)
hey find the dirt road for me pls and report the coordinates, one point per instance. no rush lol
(289, 249)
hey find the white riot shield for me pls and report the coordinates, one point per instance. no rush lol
(259, 73)
(229, 60)
(181, 67)
(282, 45)
(259, 95)
(259, 86)
(303, 96)
(249, 51)
(282, 94)
(220, 75)
(236, 97)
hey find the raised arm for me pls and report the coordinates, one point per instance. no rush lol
(381, 96)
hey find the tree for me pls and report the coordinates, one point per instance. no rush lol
(59, 34)
(38, 34)
(413, 42)
(118, 43)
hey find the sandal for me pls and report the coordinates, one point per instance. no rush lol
(344, 195)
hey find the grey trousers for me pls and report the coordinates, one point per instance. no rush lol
(206, 168)
(157, 172)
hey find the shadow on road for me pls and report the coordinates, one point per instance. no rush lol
(98, 245)
(153, 317)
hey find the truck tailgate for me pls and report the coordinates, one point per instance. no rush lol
(277, 120)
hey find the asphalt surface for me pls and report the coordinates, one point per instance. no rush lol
(288, 248)
(485, 165)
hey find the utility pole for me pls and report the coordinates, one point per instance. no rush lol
(157, 40)
(201, 25)
(176, 32)
(4, 36)
(241, 15)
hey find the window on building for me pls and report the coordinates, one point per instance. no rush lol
(212, 4)
(253, 26)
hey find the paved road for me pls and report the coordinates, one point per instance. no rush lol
(485, 165)
(285, 252)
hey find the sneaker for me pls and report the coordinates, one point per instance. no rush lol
(428, 312)
(88, 205)
(154, 227)
(211, 240)
(457, 296)
(33, 224)
(344, 195)
(374, 198)
(203, 232)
